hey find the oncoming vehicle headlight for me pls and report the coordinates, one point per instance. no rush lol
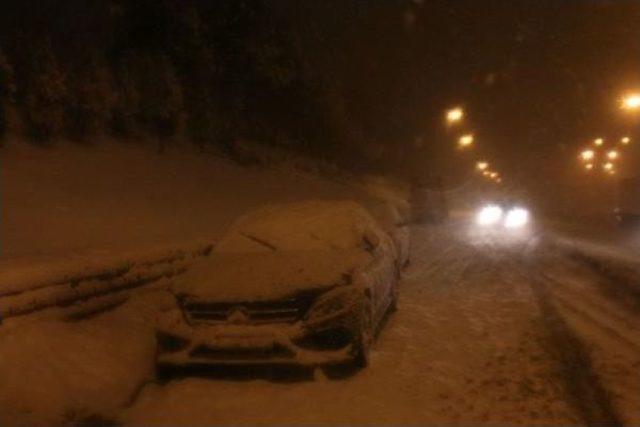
(516, 218)
(489, 215)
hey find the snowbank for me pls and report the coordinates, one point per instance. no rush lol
(54, 373)
(111, 197)
(38, 287)
(77, 269)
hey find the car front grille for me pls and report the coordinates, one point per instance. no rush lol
(288, 310)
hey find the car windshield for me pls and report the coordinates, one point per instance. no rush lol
(319, 212)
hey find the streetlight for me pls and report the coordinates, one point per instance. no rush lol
(598, 142)
(465, 140)
(608, 166)
(587, 155)
(625, 140)
(454, 115)
(631, 102)
(482, 165)
(613, 155)
(588, 166)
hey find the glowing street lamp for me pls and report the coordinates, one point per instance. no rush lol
(454, 115)
(631, 102)
(613, 155)
(625, 140)
(608, 166)
(493, 175)
(465, 141)
(482, 165)
(588, 166)
(598, 142)
(587, 155)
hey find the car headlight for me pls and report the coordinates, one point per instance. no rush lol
(334, 303)
(489, 215)
(516, 218)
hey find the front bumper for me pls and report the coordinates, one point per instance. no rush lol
(323, 342)
(251, 345)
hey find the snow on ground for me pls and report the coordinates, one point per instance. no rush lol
(53, 373)
(95, 200)
(489, 330)
(492, 330)
(604, 316)
(481, 337)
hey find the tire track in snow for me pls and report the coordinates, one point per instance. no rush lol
(609, 310)
(609, 327)
(584, 388)
(612, 330)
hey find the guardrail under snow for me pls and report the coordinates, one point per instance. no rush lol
(91, 282)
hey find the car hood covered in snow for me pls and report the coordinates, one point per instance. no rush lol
(260, 276)
(314, 225)
(279, 250)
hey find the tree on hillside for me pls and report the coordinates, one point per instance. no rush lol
(198, 71)
(7, 89)
(160, 102)
(45, 95)
(91, 99)
(125, 107)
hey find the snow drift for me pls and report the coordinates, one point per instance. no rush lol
(54, 373)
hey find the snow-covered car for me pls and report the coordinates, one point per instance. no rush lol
(301, 283)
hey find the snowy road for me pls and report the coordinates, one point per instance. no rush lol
(487, 331)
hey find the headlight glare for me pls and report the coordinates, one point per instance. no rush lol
(489, 215)
(516, 218)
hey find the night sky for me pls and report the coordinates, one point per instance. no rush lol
(539, 78)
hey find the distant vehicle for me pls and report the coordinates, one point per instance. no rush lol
(303, 283)
(507, 215)
(628, 201)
